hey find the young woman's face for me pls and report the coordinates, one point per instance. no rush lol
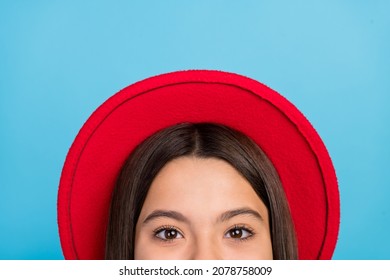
(202, 209)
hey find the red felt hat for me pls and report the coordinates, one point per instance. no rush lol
(136, 112)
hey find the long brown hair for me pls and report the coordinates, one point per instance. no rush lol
(203, 140)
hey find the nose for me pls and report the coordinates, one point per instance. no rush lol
(206, 251)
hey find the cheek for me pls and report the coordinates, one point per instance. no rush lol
(257, 248)
(146, 248)
(248, 252)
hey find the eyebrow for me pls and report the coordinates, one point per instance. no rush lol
(239, 211)
(222, 218)
(169, 214)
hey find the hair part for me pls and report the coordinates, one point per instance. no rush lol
(202, 140)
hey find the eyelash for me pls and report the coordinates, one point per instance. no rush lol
(241, 227)
(166, 227)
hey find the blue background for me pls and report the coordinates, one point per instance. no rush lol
(59, 60)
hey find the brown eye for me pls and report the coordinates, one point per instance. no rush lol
(235, 233)
(168, 234)
(238, 233)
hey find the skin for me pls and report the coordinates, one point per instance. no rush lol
(202, 209)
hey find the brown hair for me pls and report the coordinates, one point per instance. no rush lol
(203, 140)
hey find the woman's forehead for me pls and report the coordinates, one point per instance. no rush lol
(190, 185)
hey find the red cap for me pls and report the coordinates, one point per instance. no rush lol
(136, 112)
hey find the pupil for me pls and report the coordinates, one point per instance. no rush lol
(236, 233)
(170, 234)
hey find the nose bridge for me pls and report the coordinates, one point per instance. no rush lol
(206, 248)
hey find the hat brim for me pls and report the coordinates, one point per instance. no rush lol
(136, 112)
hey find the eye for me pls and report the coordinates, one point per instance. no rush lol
(239, 232)
(168, 233)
